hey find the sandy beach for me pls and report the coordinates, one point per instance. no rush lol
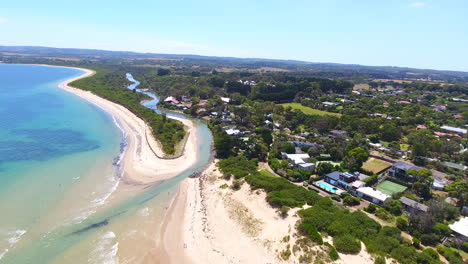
(208, 223)
(140, 164)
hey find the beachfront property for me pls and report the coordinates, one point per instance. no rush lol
(372, 195)
(454, 129)
(460, 229)
(345, 180)
(399, 170)
(413, 206)
(328, 188)
(300, 161)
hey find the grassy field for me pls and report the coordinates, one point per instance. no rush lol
(390, 188)
(375, 165)
(309, 111)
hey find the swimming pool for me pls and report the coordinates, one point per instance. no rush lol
(328, 187)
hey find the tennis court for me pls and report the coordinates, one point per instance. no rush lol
(390, 188)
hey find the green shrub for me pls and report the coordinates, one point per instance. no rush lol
(431, 252)
(281, 192)
(402, 223)
(416, 242)
(236, 185)
(404, 255)
(335, 197)
(283, 211)
(464, 246)
(311, 232)
(332, 253)
(452, 256)
(351, 201)
(384, 242)
(347, 244)
(380, 260)
(357, 224)
(239, 167)
(430, 239)
(441, 229)
(371, 208)
(383, 214)
(371, 180)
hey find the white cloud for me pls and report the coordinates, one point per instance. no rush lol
(418, 4)
(3, 20)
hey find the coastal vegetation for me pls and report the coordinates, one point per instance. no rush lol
(111, 85)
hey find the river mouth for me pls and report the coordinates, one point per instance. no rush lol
(122, 230)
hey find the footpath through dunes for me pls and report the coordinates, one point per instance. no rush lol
(143, 161)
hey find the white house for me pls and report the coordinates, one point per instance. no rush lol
(299, 161)
(371, 195)
(225, 100)
(460, 228)
(454, 129)
(233, 132)
(307, 166)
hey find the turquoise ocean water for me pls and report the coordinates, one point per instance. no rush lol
(50, 141)
(59, 181)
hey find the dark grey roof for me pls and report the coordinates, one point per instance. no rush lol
(334, 175)
(413, 204)
(405, 166)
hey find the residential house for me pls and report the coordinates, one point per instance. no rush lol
(305, 144)
(225, 100)
(399, 169)
(171, 100)
(233, 132)
(299, 161)
(329, 104)
(460, 229)
(413, 206)
(455, 166)
(454, 129)
(341, 179)
(460, 100)
(372, 195)
(339, 133)
(440, 108)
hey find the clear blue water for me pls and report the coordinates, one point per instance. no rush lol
(56, 162)
(328, 187)
(50, 142)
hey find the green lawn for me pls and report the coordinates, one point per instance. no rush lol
(309, 111)
(375, 165)
(390, 188)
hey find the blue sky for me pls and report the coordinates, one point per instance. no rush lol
(422, 33)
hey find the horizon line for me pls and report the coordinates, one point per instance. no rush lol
(234, 57)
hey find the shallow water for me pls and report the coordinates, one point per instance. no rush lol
(65, 204)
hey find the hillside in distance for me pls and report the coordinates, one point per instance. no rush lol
(34, 54)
